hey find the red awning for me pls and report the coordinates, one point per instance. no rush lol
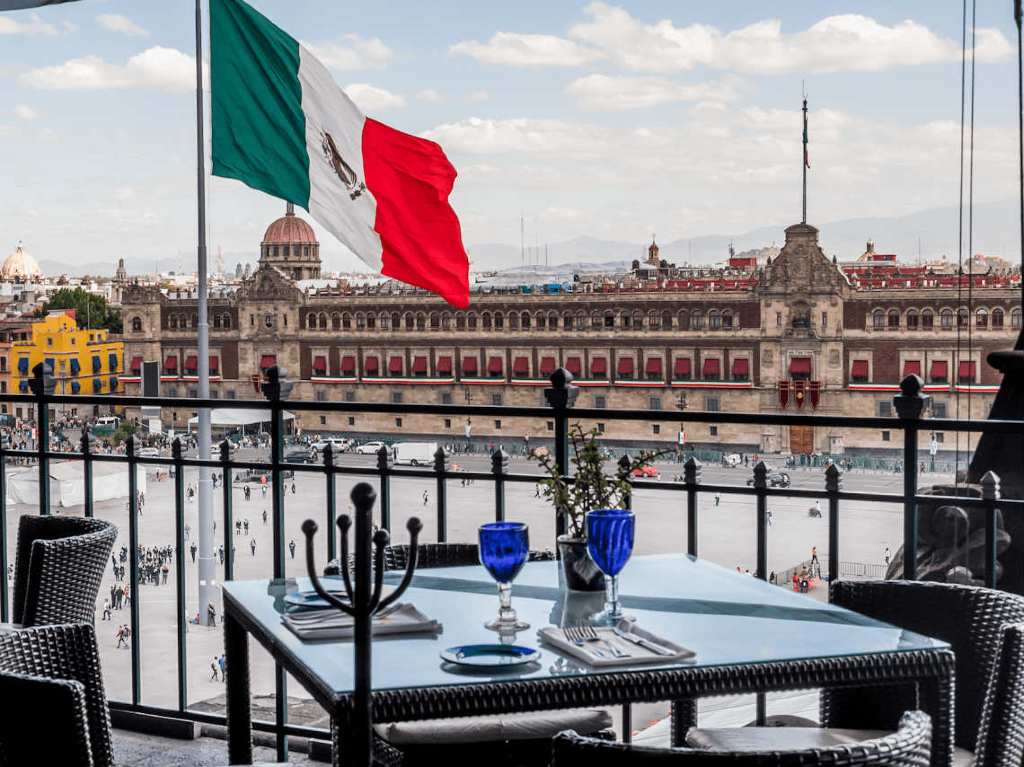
(682, 367)
(653, 366)
(348, 363)
(469, 365)
(740, 367)
(859, 369)
(371, 365)
(911, 368)
(395, 364)
(547, 366)
(136, 364)
(214, 363)
(598, 366)
(268, 361)
(521, 366)
(444, 365)
(320, 363)
(495, 365)
(625, 366)
(419, 364)
(966, 372)
(574, 366)
(171, 363)
(800, 366)
(939, 371)
(191, 362)
(712, 368)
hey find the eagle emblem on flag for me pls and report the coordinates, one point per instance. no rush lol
(341, 168)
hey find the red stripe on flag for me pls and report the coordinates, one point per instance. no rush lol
(411, 179)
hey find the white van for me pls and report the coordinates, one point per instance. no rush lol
(108, 420)
(415, 453)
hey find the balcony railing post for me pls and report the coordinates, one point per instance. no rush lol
(909, 405)
(624, 464)
(332, 503)
(87, 470)
(990, 493)
(761, 486)
(179, 579)
(499, 468)
(133, 567)
(4, 595)
(229, 514)
(42, 385)
(441, 469)
(561, 396)
(691, 478)
(833, 483)
(384, 472)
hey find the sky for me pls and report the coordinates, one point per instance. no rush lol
(603, 119)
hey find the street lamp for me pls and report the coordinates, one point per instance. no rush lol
(681, 403)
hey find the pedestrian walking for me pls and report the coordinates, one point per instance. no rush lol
(291, 547)
(106, 610)
(718, 499)
(192, 550)
(222, 662)
(425, 497)
(264, 516)
(220, 553)
(814, 560)
(214, 668)
(886, 556)
(252, 546)
(293, 488)
(164, 570)
(211, 614)
(263, 489)
(245, 525)
(768, 517)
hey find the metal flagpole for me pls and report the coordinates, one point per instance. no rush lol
(207, 564)
(803, 219)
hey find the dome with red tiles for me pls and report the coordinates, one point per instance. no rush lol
(290, 230)
(290, 246)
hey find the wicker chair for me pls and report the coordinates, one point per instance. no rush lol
(986, 631)
(59, 567)
(513, 739)
(909, 746)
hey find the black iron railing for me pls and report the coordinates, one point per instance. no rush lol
(909, 405)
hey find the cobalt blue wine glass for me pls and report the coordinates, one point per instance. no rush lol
(504, 547)
(610, 543)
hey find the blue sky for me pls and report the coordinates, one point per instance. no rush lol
(603, 119)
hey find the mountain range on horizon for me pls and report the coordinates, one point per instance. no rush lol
(932, 232)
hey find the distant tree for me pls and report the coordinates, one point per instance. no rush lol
(91, 311)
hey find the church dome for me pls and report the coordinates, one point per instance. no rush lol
(290, 230)
(20, 266)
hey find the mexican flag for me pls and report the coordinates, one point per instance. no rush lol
(283, 126)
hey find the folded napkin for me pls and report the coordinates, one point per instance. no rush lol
(399, 618)
(631, 647)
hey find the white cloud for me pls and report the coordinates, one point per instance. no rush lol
(478, 96)
(616, 94)
(519, 50)
(429, 95)
(370, 98)
(165, 69)
(494, 137)
(848, 42)
(115, 22)
(33, 27)
(353, 54)
(25, 112)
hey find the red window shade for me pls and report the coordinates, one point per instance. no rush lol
(740, 367)
(495, 365)
(547, 366)
(682, 367)
(191, 362)
(800, 366)
(444, 365)
(214, 363)
(939, 371)
(419, 364)
(320, 364)
(598, 366)
(966, 372)
(171, 363)
(469, 365)
(625, 366)
(521, 366)
(911, 368)
(136, 364)
(348, 364)
(653, 366)
(268, 361)
(712, 368)
(371, 365)
(859, 370)
(395, 364)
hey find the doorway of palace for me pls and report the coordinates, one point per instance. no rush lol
(801, 440)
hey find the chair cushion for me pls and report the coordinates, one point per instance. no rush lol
(535, 725)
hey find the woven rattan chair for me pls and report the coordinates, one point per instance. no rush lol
(59, 567)
(986, 631)
(909, 746)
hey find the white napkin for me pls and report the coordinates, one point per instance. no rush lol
(399, 618)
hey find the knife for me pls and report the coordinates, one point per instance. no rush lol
(657, 649)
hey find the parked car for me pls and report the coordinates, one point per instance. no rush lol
(415, 453)
(148, 452)
(368, 448)
(645, 472)
(775, 479)
(338, 445)
(300, 454)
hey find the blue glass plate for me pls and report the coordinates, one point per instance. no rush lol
(490, 655)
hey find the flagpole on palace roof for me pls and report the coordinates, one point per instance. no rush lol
(207, 565)
(806, 163)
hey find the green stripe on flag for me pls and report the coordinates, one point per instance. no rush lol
(259, 129)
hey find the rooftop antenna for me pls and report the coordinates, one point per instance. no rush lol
(807, 159)
(522, 240)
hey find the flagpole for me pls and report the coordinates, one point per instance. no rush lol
(207, 566)
(803, 219)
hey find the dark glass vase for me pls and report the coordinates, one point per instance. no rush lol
(581, 574)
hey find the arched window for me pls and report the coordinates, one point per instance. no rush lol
(322, 320)
(946, 319)
(666, 320)
(335, 321)
(541, 320)
(567, 321)
(499, 320)
(714, 320)
(460, 321)
(446, 321)
(684, 320)
(410, 321)
(608, 321)
(360, 321)
(581, 321)
(893, 319)
(981, 319)
(653, 320)
(137, 324)
(727, 319)
(552, 321)
(226, 321)
(435, 321)
(194, 320)
(487, 320)
(421, 321)
(524, 320)
(396, 321)
(696, 320)
(878, 319)
(962, 317)
(1015, 319)
(638, 319)
(513, 321)
(471, 320)
(927, 319)
(997, 319)
(912, 319)
(311, 321)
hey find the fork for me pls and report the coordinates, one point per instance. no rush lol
(575, 635)
(590, 635)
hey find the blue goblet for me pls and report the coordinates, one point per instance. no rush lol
(610, 543)
(504, 547)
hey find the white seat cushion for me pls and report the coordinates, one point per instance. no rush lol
(535, 725)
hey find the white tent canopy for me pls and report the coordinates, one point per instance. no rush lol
(233, 418)
(67, 488)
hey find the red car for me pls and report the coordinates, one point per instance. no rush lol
(645, 472)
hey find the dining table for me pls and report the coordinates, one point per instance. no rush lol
(747, 636)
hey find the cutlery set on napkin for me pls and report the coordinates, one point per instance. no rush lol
(330, 623)
(623, 644)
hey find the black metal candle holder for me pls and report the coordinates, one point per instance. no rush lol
(363, 602)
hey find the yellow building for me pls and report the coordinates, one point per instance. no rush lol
(84, 361)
